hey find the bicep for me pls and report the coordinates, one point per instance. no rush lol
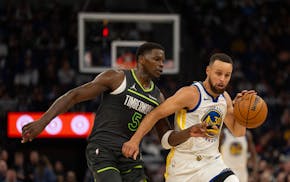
(229, 119)
(106, 81)
(183, 98)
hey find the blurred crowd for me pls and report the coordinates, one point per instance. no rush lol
(39, 62)
(34, 167)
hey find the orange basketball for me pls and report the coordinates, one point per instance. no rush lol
(250, 111)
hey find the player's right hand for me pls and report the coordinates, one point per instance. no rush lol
(198, 130)
(31, 130)
(130, 149)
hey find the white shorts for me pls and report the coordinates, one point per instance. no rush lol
(182, 167)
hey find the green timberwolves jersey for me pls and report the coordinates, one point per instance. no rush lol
(120, 113)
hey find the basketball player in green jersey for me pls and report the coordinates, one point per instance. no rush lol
(127, 96)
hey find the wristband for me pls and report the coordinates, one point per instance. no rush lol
(164, 141)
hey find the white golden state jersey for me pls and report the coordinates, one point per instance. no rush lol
(234, 151)
(210, 110)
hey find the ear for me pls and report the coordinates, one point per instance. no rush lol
(207, 70)
(141, 59)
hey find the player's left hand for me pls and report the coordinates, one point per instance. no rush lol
(130, 149)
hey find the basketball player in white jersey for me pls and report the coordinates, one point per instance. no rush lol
(201, 109)
(234, 152)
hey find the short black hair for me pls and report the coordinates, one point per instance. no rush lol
(146, 47)
(221, 57)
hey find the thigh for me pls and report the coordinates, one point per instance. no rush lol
(102, 163)
(217, 171)
(134, 175)
(131, 170)
(107, 176)
(214, 170)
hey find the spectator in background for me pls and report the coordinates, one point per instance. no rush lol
(18, 166)
(59, 171)
(28, 75)
(50, 73)
(4, 155)
(3, 49)
(31, 166)
(11, 176)
(266, 171)
(38, 100)
(281, 177)
(66, 75)
(43, 40)
(3, 170)
(71, 176)
(44, 171)
(23, 11)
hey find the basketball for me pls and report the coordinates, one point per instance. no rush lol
(250, 111)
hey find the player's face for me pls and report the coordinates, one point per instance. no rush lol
(219, 74)
(154, 62)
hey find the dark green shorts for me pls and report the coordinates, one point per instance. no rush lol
(109, 164)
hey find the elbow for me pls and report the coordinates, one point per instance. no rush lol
(72, 96)
(67, 100)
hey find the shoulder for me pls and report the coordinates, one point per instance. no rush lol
(189, 95)
(228, 98)
(110, 78)
(162, 98)
(226, 95)
(189, 90)
(112, 73)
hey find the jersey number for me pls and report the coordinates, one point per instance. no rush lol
(135, 121)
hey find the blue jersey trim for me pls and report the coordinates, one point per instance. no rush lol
(198, 100)
(213, 99)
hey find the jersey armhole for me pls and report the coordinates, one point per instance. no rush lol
(121, 88)
(198, 103)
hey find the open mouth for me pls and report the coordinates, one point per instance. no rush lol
(159, 71)
(220, 86)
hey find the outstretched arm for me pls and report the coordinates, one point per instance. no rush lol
(183, 98)
(106, 81)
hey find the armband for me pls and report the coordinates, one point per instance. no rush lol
(164, 140)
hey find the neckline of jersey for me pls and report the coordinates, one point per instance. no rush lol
(144, 89)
